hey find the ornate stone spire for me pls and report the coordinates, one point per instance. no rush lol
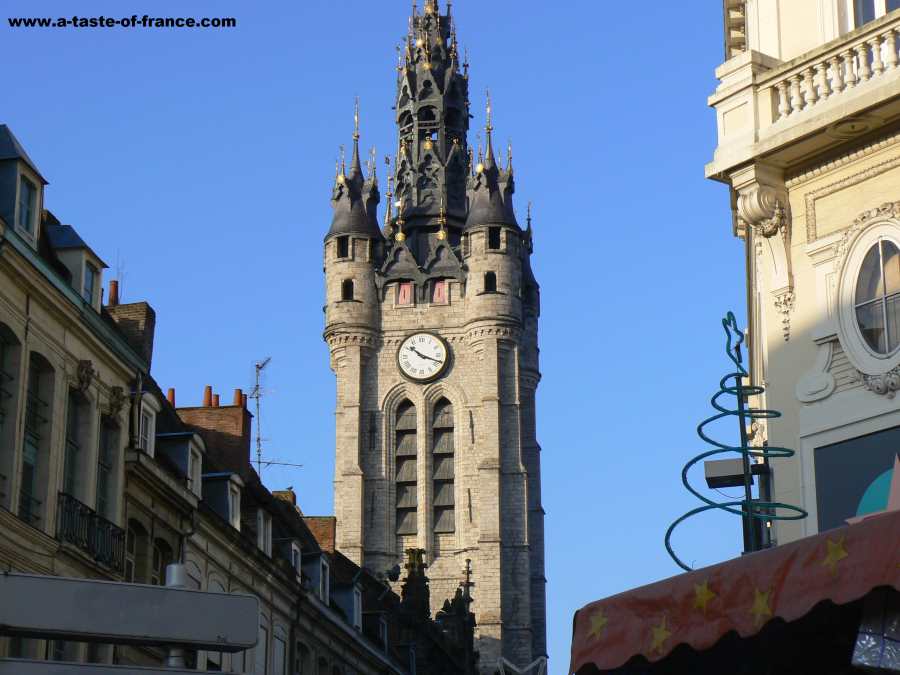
(433, 120)
(491, 188)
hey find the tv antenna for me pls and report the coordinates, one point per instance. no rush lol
(257, 394)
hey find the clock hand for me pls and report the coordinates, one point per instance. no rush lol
(413, 349)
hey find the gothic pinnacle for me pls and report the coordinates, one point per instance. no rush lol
(488, 129)
(355, 166)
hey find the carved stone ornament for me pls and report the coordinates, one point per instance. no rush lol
(884, 385)
(84, 375)
(117, 400)
(784, 304)
(762, 209)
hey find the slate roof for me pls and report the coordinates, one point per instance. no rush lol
(10, 148)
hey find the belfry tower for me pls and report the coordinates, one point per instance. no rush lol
(431, 324)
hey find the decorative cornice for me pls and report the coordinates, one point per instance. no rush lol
(837, 162)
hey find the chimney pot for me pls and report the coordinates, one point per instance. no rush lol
(207, 396)
(113, 293)
(215, 401)
(238, 397)
(171, 396)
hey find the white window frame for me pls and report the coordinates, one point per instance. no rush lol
(324, 581)
(850, 8)
(234, 506)
(863, 357)
(149, 410)
(264, 531)
(32, 233)
(195, 470)
(296, 557)
(90, 272)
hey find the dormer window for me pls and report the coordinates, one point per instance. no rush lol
(195, 470)
(147, 438)
(90, 282)
(296, 557)
(264, 531)
(324, 581)
(27, 205)
(234, 507)
(357, 609)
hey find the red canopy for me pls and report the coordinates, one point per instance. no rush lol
(740, 595)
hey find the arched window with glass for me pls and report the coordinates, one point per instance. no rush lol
(877, 298)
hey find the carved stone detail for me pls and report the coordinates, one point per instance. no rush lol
(761, 207)
(886, 384)
(887, 210)
(84, 375)
(818, 383)
(784, 304)
(117, 400)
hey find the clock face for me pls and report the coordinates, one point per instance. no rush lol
(423, 357)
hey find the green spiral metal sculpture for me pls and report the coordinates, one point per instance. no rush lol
(733, 385)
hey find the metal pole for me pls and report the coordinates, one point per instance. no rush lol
(749, 536)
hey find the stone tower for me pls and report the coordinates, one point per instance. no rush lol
(432, 329)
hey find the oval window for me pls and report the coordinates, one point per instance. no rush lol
(877, 297)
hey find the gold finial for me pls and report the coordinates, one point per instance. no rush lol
(400, 236)
(442, 220)
(429, 143)
(356, 120)
(343, 168)
(399, 59)
(488, 126)
(389, 213)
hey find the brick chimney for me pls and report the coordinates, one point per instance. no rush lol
(288, 495)
(225, 431)
(137, 322)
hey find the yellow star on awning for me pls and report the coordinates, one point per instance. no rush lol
(598, 624)
(702, 596)
(836, 553)
(659, 635)
(761, 610)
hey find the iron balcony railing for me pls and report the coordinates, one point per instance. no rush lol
(80, 525)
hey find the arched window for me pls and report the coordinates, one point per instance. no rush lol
(406, 477)
(877, 299)
(36, 445)
(10, 351)
(347, 289)
(136, 543)
(490, 282)
(442, 451)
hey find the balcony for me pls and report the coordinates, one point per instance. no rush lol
(80, 525)
(787, 112)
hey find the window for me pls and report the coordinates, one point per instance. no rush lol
(347, 289)
(9, 369)
(466, 246)
(877, 300)
(343, 247)
(35, 447)
(493, 238)
(443, 470)
(406, 473)
(405, 293)
(264, 531)
(490, 282)
(106, 457)
(162, 558)
(357, 609)
(383, 632)
(262, 652)
(304, 660)
(279, 655)
(76, 429)
(863, 11)
(136, 543)
(324, 581)
(148, 429)
(234, 506)
(90, 282)
(195, 471)
(27, 206)
(439, 292)
(296, 557)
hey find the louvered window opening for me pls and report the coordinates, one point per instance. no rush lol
(406, 469)
(444, 472)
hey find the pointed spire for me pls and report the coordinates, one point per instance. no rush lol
(342, 171)
(389, 212)
(509, 166)
(373, 171)
(488, 129)
(355, 166)
(528, 218)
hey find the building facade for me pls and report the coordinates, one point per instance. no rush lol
(809, 144)
(103, 477)
(431, 323)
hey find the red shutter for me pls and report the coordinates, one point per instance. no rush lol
(439, 293)
(404, 295)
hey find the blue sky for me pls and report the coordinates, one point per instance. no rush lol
(202, 162)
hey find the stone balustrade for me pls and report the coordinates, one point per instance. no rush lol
(807, 83)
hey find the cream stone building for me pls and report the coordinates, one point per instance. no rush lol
(432, 329)
(807, 113)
